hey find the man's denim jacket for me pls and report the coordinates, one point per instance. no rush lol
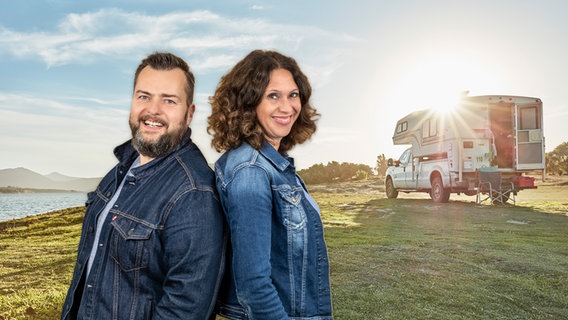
(279, 267)
(161, 250)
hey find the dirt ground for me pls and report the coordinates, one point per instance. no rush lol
(553, 188)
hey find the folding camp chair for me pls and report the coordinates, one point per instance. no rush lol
(491, 189)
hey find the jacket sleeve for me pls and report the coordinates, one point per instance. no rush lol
(249, 209)
(193, 241)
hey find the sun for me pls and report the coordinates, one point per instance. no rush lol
(439, 81)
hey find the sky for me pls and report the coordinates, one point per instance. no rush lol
(67, 66)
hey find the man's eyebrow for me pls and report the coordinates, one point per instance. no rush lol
(166, 95)
(143, 92)
(163, 95)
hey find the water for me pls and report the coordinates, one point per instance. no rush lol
(19, 205)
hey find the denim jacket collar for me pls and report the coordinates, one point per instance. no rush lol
(279, 161)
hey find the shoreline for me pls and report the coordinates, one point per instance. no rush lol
(18, 190)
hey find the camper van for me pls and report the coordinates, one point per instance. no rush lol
(448, 149)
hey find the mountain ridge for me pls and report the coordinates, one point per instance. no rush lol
(25, 178)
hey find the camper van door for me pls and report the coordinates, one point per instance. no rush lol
(530, 138)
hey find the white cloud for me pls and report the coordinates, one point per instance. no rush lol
(48, 135)
(93, 36)
(55, 120)
(85, 128)
(77, 107)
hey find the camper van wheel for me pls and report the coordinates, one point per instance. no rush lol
(391, 191)
(439, 193)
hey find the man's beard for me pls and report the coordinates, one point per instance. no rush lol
(166, 143)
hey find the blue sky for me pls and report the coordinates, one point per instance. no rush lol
(66, 67)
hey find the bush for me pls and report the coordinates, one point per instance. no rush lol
(335, 172)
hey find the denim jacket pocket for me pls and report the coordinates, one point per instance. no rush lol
(290, 199)
(129, 243)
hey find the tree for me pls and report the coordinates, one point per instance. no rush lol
(381, 165)
(314, 174)
(557, 160)
(335, 172)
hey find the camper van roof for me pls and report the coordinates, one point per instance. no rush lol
(506, 98)
(420, 114)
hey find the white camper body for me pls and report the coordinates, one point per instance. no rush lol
(448, 149)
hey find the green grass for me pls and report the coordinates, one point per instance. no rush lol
(37, 258)
(412, 259)
(390, 259)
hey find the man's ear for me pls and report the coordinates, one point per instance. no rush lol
(190, 111)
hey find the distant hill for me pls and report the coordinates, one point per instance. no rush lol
(25, 178)
(59, 177)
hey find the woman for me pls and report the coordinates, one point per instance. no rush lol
(278, 268)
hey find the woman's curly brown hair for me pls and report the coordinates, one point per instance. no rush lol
(233, 115)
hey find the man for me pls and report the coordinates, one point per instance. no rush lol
(153, 240)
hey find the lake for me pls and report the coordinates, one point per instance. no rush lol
(19, 205)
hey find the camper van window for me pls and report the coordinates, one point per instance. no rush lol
(402, 127)
(528, 118)
(405, 157)
(468, 144)
(433, 127)
(429, 128)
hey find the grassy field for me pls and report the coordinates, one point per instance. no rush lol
(406, 258)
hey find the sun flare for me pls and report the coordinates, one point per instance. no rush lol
(439, 81)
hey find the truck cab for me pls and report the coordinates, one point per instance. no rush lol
(401, 170)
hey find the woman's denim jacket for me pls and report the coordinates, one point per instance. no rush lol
(279, 266)
(160, 253)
